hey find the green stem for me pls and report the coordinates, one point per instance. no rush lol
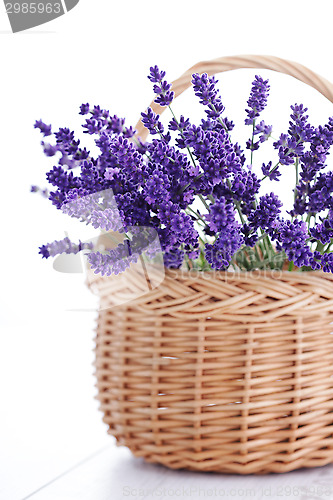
(252, 140)
(326, 250)
(308, 220)
(202, 199)
(197, 215)
(296, 169)
(320, 247)
(188, 262)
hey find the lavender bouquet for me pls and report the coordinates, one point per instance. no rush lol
(196, 188)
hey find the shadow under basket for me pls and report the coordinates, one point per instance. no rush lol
(220, 372)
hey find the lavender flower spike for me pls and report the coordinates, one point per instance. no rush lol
(205, 88)
(45, 129)
(62, 246)
(162, 87)
(257, 100)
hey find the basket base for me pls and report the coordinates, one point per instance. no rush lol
(221, 465)
(223, 373)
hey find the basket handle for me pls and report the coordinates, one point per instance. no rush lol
(229, 63)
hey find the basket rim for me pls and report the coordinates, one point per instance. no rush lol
(255, 273)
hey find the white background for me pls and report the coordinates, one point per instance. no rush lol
(100, 52)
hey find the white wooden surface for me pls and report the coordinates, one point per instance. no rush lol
(54, 445)
(114, 474)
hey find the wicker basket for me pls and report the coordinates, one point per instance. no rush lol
(219, 371)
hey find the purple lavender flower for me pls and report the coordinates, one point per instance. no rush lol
(301, 204)
(64, 136)
(45, 129)
(272, 173)
(205, 88)
(100, 114)
(243, 188)
(116, 125)
(152, 122)
(99, 209)
(62, 246)
(161, 87)
(292, 238)
(320, 193)
(157, 188)
(156, 75)
(220, 254)
(113, 262)
(36, 189)
(101, 122)
(129, 132)
(50, 149)
(221, 215)
(266, 212)
(250, 235)
(288, 148)
(174, 258)
(240, 153)
(314, 160)
(215, 153)
(252, 146)
(107, 219)
(222, 220)
(84, 109)
(299, 129)
(111, 173)
(93, 126)
(57, 198)
(120, 258)
(326, 261)
(323, 232)
(180, 227)
(257, 100)
(179, 125)
(60, 178)
(264, 131)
